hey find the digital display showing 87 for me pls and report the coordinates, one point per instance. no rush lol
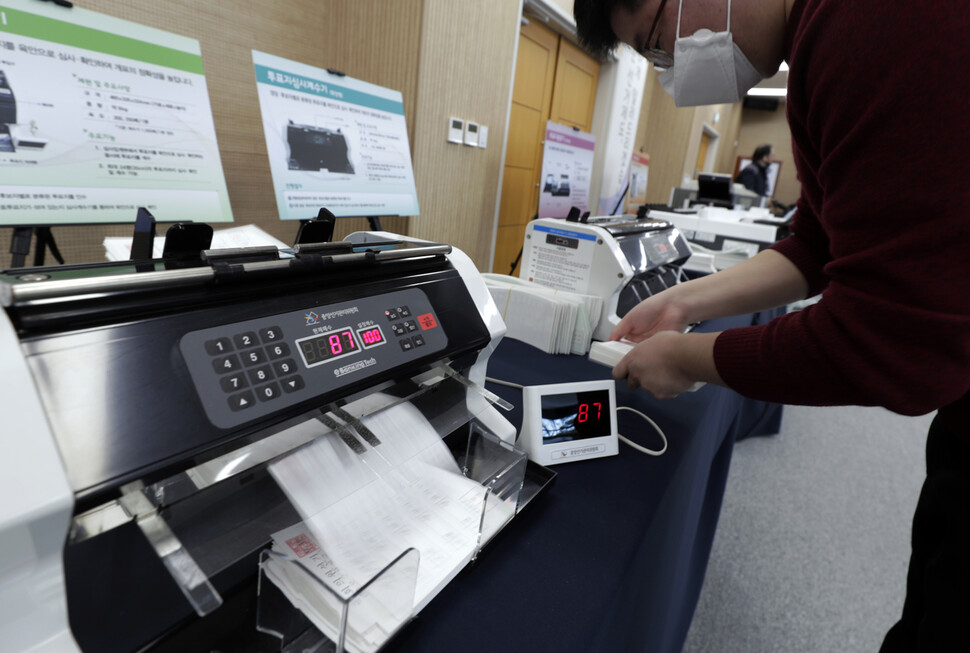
(335, 344)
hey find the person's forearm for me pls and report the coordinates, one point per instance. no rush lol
(764, 281)
(695, 357)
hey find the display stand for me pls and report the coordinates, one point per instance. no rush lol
(320, 229)
(143, 236)
(20, 246)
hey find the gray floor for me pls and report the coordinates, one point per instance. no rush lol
(812, 546)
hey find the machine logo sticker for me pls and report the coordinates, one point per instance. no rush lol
(354, 367)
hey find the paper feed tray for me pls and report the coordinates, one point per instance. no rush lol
(208, 523)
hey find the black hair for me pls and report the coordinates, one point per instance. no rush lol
(593, 24)
(761, 151)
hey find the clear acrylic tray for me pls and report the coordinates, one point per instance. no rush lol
(367, 561)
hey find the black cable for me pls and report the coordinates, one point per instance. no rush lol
(620, 201)
(518, 258)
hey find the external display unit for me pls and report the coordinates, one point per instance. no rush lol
(564, 422)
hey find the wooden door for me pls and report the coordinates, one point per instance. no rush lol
(702, 152)
(540, 93)
(574, 92)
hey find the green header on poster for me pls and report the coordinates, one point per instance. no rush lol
(23, 23)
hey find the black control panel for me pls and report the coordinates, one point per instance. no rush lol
(249, 369)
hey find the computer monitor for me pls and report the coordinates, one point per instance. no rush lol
(714, 189)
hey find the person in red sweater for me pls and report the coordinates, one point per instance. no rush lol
(881, 142)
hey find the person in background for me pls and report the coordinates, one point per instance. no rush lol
(754, 176)
(892, 327)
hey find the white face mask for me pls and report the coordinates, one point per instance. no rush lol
(709, 68)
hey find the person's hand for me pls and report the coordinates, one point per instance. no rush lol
(655, 365)
(653, 315)
(669, 362)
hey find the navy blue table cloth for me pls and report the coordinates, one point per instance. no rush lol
(613, 555)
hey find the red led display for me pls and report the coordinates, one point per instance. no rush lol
(328, 345)
(371, 336)
(589, 411)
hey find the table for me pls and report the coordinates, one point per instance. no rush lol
(613, 555)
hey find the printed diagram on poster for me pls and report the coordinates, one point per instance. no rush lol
(118, 110)
(333, 142)
(639, 170)
(567, 163)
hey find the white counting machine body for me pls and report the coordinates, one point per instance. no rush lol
(565, 422)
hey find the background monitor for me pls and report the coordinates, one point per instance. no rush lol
(714, 189)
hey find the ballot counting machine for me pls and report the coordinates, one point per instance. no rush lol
(716, 229)
(622, 259)
(141, 405)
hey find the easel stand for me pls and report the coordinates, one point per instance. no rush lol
(20, 246)
(320, 228)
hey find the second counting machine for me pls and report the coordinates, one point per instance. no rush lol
(621, 259)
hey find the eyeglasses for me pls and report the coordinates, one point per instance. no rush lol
(656, 56)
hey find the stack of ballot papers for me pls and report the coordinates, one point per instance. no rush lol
(364, 502)
(555, 321)
(118, 248)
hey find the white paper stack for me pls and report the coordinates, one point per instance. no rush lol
(362, 509)
(555, 321)
(118, 248)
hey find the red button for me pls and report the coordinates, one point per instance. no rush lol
(427, 321)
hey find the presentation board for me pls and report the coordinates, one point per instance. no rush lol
(100, 116)
(333, 142)
(567, 163)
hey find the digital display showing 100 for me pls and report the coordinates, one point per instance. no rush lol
(328, 346)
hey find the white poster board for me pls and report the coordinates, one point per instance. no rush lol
(621, 88)
(99, 116)
(567, 163)
(333, 142)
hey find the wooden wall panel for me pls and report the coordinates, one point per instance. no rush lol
(465, 71)
(671, 136)
(666, 134)
(374, 40)
(730, 127)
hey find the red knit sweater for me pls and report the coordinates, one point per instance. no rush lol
(880, 120)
